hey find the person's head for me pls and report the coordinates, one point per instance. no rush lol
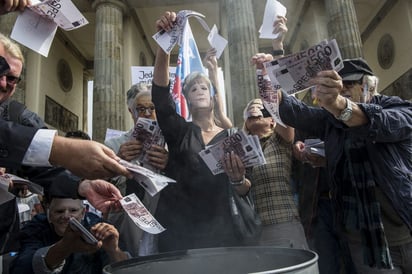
(78, 134)
(14, 57)
(60, 210)
(60, 205)
(358, 80)
(370, 86)
(24, 190)
(133, 91)
(257, 119)
(144, 107)
(197, 91)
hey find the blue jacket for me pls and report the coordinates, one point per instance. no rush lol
(38, 233)
(388, 140)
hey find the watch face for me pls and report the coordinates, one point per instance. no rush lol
(345, 115)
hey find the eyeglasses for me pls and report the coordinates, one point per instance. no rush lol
(12, 80)
(143, 110)
(351, 84)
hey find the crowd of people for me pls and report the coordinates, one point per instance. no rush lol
(355, 203)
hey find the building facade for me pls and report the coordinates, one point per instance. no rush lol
(119, 32)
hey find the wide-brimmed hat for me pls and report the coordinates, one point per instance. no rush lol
(354, 69)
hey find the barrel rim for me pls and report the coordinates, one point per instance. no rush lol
(181, 254)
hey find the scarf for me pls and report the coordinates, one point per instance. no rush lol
(361, 210)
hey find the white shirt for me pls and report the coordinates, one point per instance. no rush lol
(38, 153)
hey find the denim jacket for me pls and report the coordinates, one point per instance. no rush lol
(388, 139)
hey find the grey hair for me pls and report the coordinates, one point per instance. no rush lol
(134, 90)
(372, 82)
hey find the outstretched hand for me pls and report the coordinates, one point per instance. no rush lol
(101, 194)
(88, 159)
(328, 85)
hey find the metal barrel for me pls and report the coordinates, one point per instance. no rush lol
(225, 260)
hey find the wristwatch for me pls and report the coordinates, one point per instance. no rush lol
(278, 52)
(346, 114)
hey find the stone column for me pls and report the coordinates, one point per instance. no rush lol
(242, 38)
(108, 92)
(343, 26)
(6, 25)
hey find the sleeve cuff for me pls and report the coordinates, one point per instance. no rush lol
(40, 147)
(39, 263)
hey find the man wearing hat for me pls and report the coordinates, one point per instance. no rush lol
(357, 74)
(368, 160)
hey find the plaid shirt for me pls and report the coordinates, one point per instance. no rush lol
(271, 183)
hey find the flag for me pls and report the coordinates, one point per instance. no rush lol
(188, 61)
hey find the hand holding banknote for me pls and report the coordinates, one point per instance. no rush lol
(7, 6)
(130, 150)
(259, 59)
(101, 194)
(279, 27)
(328, 86)
(303, 154)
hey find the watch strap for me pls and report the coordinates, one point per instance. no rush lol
(346, 113)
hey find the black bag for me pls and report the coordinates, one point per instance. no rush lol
(246, 220)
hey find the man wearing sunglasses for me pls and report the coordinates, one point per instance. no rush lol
(23, 145)
(128, 147)
(12, 110)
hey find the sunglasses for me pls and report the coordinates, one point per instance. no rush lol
(12, 80)
(351, 84)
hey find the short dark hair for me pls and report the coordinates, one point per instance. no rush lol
(78, 134)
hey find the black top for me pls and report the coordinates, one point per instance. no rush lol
(195, 211)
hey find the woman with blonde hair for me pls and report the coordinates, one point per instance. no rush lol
(195, 211)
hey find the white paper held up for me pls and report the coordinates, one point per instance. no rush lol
(273, 9)
(36, 26)
(216, 41)
(34, 31)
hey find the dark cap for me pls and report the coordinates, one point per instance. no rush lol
(4, 66)
(64, 185)
(58, 183)
(354, 69)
